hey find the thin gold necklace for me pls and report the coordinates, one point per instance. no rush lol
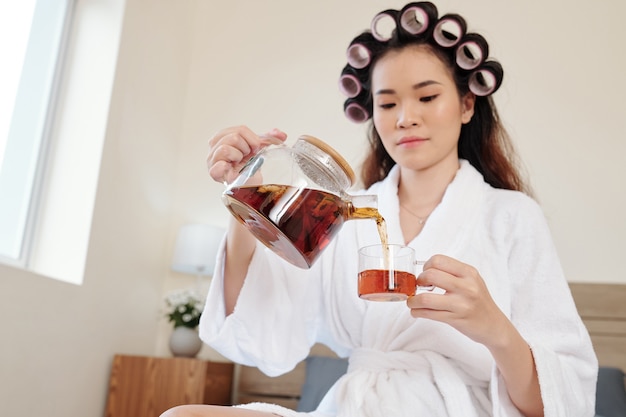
(420, 220)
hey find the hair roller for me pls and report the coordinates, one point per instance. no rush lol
(383, 25)
(472, 51)
(361, 49)
(350, 85)
(355, 112)
(359, 55)
(350, 82)
(449, 30)
(486, 79)
(417, 18)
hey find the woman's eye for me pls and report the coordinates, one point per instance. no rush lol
(428, 98)
(387, 105)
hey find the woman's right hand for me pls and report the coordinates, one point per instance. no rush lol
(231, 148)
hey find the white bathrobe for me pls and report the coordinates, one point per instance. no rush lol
(401, 366)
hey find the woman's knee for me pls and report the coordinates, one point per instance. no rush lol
(201, 410)
(192, 410)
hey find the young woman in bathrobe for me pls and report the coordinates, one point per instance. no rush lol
(504, 339)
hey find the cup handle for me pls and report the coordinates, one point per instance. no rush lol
(423, 288)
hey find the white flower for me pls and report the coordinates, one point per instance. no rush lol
(185, 307)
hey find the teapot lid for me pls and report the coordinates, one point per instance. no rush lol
(337, 161)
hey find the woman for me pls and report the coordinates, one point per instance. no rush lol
(504, 339)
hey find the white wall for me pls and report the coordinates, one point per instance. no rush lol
(190, 67)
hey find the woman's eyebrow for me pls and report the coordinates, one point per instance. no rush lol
(415, 87)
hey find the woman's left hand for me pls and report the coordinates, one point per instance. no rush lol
(466, 305)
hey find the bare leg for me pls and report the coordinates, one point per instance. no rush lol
(199, 410)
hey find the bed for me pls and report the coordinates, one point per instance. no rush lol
(601, 306)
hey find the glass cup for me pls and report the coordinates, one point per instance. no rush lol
(388, 273)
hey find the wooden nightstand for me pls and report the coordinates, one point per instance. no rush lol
(142, 386)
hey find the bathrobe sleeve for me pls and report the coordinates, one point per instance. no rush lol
(543, 311)
(275, 320)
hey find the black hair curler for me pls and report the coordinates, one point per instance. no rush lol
(449, 30)
(355, 112)
(359, 55)
(351, 81)
(472, 51)
(383, 25)
(417, 18)
(486, 79)
(361, 49)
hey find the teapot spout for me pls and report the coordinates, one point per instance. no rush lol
(363, 207)
(366, 207)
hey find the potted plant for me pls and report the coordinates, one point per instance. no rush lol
(184, 308)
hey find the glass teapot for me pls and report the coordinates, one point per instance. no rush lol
(294, 199)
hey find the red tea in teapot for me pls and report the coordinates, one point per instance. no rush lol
(296, 223)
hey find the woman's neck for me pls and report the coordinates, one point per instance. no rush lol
(422, 190)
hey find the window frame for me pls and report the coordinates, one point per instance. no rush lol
(27, 160)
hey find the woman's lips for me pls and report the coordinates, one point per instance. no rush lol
(411, 140)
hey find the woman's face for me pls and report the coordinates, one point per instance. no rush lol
(417, 109)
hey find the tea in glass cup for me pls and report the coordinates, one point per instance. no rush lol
(387, 272)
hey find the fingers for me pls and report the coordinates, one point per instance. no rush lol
(433, 311)
(447, 264)
(429, 302)
(455, 278)
(230, 148)
(277, 133)
(239, 138)
(445, 272)
(222, 171)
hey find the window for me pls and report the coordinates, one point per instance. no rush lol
(32, 37)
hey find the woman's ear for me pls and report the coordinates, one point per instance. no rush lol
(467, 107)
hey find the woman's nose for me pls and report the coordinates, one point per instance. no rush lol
(408, 116)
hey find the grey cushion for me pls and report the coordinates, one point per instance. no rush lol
(321, 373)
(610, 393)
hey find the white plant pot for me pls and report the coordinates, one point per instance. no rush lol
(185, 342)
